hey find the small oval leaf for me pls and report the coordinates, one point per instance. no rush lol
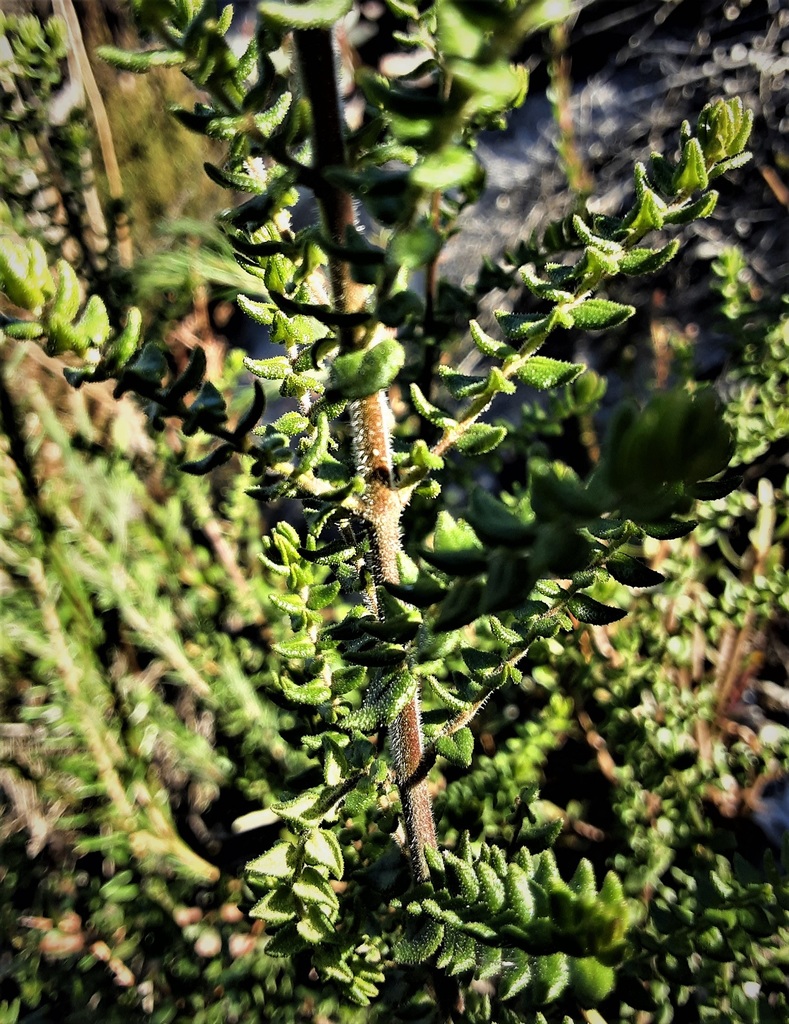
(599, 314)
(359, 374)
(586, 609)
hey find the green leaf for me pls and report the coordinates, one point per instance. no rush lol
(489, 346)
(490, 964)
(494, 87)
(586, 609)
(286, 943)
(459, 32)
(648, 261)
(274, 368)
(498, 384)
(313, 14)
(291, 423)
(400, 307)
(297, 329)
(323, 848)
(462, 879)
(278, 862)
(703, 207)
(517, 975)
(448, 168)
(207, 410)
(712, 490)
(149, 366)
(423, 458)
(312, 887)
(346, 679)
(125, 344)
(599, 314)
(520, 898)
(22, 330)
(39, 273)
(381, 656)
(322, 595)
(16, 279)
(397, 695)
(541, 372)
(492, 891)
(416, 247)
(399, 629)
(730, 165)
(583, 881)
(269, 120)
(672, 529)
(141, 61)
(464, 954)
(456, 548)
(297, 647)
(260, 312)
(649, 213)
(358, 374)
(429, 411)
(480, 438)
(502, 634)
(524, 326)
(462, 385)
(497, 523)
(404, 9)
(66, 300)
(422, 593)
(277, 907)
(311, 694)
(218, 457)
(460, 606)
(542, 289)
(418, 948)
(691, 173)
(556, 492)
(315, 451)
(458, 748)
(480, 661)
(631, 572)
(550, 975)
(510, 577)
(314, 925)
(233, 180)
(309, 807)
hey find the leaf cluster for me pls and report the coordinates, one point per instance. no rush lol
(480, 596)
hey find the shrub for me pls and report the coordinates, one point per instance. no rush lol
(411, 875)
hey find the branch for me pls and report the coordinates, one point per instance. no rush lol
(82, 73)
(371, 417)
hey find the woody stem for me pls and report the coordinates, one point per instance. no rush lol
(370, 417)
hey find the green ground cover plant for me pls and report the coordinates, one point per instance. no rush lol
(392, 670)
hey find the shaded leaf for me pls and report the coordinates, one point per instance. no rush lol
(586, 609)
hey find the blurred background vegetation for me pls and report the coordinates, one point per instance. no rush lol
(139, 744)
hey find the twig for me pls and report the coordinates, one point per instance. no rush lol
(371, 427)
(82, 73)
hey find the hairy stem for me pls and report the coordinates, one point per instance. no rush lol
(370, 417)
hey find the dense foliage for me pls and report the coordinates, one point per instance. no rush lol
(391, 670)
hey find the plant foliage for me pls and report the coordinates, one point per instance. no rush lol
(396, 612)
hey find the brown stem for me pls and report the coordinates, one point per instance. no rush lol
(370, 417)
(82, 73)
